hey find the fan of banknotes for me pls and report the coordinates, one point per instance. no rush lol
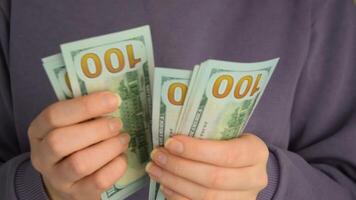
(213, 101)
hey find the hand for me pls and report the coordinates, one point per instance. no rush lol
(79, 153)
(190, 168)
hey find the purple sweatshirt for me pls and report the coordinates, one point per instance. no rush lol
(307, 116)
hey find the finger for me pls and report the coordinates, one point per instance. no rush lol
(244, 151)
(89, 160)
(102, 179)
(61, 142)
(171, 195)
(65, 113)
(211, 176)
(192, 190)
(179, 185)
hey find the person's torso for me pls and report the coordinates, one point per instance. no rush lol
(184, 33)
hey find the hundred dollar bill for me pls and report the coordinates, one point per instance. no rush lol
(169, 92)
(58, 76)
(223, 98)
(115, 193)
(122, 63)
(189, 94)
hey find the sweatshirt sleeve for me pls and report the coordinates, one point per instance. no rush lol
(18, 179)
(320, 162)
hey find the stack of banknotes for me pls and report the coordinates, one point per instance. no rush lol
(122, 63)
(214, 101)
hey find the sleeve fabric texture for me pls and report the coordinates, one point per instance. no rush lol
(320, 162)
(19, 180)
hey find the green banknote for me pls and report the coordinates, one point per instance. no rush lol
(122, 63)
(169, 91)
(115, 193)
(224, 95)
(191, 89)
(58, 76)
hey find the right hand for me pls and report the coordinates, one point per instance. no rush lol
(78, 151)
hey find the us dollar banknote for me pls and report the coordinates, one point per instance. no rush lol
(192, 80)
(224, 95)
(169, 91)
(120, 62)
(115, 193)
(57, 75)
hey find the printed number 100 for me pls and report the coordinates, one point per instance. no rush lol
(252, 86)
(98, 65)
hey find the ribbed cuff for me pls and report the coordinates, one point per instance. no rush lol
(28, 183)
(273, 179)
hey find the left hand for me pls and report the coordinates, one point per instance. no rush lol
(190, 168)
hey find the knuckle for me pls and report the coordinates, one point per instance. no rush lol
(258, 179)
(36, 163)
(124, 163)
(54, 143)
(77, 166)
(263, 182)
(119, 147)
(50, 114)
(216, 178)
(101, 182)
(30, 130)
(264, 152)
(261, 148)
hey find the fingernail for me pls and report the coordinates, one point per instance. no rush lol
(110, 100)
(153, 170)
(118, 99)
(174, 146)
(159, 157)
(114, 124)
(166, 191)
(124, 138)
